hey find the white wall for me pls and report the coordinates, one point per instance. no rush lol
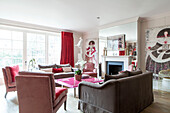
(129, 29)
(151, 22)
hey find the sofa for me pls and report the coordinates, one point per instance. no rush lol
(60, 74)
(129, 92)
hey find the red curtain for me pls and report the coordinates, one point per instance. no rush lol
(67, 48)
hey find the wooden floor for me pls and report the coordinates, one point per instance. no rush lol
(161, 102)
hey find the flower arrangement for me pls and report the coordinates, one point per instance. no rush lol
(31, 64)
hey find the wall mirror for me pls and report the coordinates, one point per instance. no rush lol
(119, 38)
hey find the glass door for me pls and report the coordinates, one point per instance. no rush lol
(11, 49)
(36, 48)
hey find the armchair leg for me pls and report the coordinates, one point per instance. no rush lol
(79, 105)
(65, 105)
(6, 94)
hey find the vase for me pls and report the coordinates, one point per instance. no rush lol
(78, 77)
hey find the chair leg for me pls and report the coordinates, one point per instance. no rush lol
(79, 105)
(6, 94)
(65, 105)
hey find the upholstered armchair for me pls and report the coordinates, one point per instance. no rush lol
(10, 83)
(37, 93)
(89, 69)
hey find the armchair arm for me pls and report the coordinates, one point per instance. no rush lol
(84, 70)
(103, 96)
(95, 70)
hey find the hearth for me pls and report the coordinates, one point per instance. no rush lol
(114, 67)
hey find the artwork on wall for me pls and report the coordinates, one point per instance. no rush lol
(131, 48)
(157, 49)
(91, 54)
(116, 43)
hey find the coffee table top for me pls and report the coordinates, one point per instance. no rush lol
(72, 83)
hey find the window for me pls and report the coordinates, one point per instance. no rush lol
(11, 48)
(54, 47)
(36, 47)
(20, 45)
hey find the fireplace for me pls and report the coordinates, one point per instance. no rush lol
(114, 67)
(122, 63)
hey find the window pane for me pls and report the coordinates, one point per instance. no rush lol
(5, 34)
(5, 44)
(17, 45)
(11, 48)
(54, 49)
(36, 48)
(17, 35)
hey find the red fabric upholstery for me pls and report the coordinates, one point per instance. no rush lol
(67, 48)
(14, 71)
(57, 70)
(58, 91)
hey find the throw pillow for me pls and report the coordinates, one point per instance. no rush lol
(121, 75)
(46, 66)
(14, 71)
(63, 65)
(136, 72)
(58, 70)
(67, 69)
(47, 70)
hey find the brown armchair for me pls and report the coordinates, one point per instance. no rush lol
(89, 69)
(37, 93)
(9, 84)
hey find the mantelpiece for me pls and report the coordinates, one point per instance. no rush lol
(125, 59)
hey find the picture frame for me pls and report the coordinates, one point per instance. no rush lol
(116, 43)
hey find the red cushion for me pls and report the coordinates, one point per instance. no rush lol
(58, 91)
(57, 70)
(14, 71)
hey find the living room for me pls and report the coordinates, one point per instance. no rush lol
(43, 36)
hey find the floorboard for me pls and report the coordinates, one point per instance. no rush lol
(161, 103)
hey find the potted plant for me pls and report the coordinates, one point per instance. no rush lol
(78, 75)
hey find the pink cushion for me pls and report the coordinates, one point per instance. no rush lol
(14, 71)
(59, 93)
(57, 70)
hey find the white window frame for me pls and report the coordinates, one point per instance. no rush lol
(25, 31)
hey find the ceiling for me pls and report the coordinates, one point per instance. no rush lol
(79, 15)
